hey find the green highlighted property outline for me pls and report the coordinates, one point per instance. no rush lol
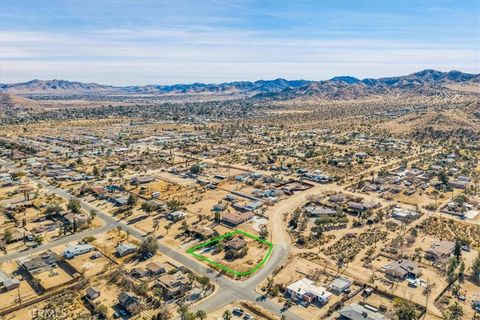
(223, 267)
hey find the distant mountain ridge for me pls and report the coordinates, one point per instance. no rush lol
(425, 82)
(341, 87)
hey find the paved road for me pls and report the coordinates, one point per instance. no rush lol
(229, 290)
(50, 245)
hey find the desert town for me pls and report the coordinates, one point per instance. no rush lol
(132, 219)
(239, 160)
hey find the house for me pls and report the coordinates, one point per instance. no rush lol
(155, 268)
(317, 177)
(157, 204)
(230, 197)
(11, 284)
(119, 201)
(402, 269)
(252, 206)
(356, 206)
(35, 265)
(138, 272)
(459, 184)
(361, 155)
(201, 232)
(99, 192)
(174, 285)
(130, 302)
(355, 311)
(235, 218)
(176, 215)
(92, 293)
(8, 283)
(305, 289)
(235, 244)
(142, 179)
(440, 251)
(340, 285)
(77, 250)
(337, 198)
(124, 249)
(73, 218)
(319, 211)
(219, 207)
(404, 215)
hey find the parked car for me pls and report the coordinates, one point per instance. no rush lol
(238, 311)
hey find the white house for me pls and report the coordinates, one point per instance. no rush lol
(340, 285)
(355, 311)
(404, 214)
(77, 250)
(126, 248)
(305, 289)
(176, 215)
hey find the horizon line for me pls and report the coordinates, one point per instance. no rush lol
(223, 82)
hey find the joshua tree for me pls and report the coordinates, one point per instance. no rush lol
(227, 315)
(200, 314)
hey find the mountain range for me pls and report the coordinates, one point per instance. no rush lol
(426, 82)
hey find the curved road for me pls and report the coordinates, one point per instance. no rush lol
(229, 290)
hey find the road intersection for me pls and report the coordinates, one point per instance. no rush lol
(228, 290)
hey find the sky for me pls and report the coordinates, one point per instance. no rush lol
(138, 42)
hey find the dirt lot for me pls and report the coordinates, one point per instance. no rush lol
(52, 278)
(255, 254)
(84, 264)
(24, 291)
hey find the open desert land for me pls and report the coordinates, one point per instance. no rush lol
(335, 217)
(240, 160)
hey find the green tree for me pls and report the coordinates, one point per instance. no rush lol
(149, 246)
(195, 169)
(39, 239)
(53, 209)
(95, 171)
(167, 227)
(173, 205)
(218, 216)
(269, 286)
(455, 312)
(452, 266)
(8, 236)
(132, 200)
(74, 205)
(101, 309)
(200, 314)
(404, 310)
(461, 272)
(204, 282)
(148, 207)
(288, 303)
(227, 315)
(263, 231)
(476, 268)
(443, 178)
(457, 250)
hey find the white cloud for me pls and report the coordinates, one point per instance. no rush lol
(124, 56)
